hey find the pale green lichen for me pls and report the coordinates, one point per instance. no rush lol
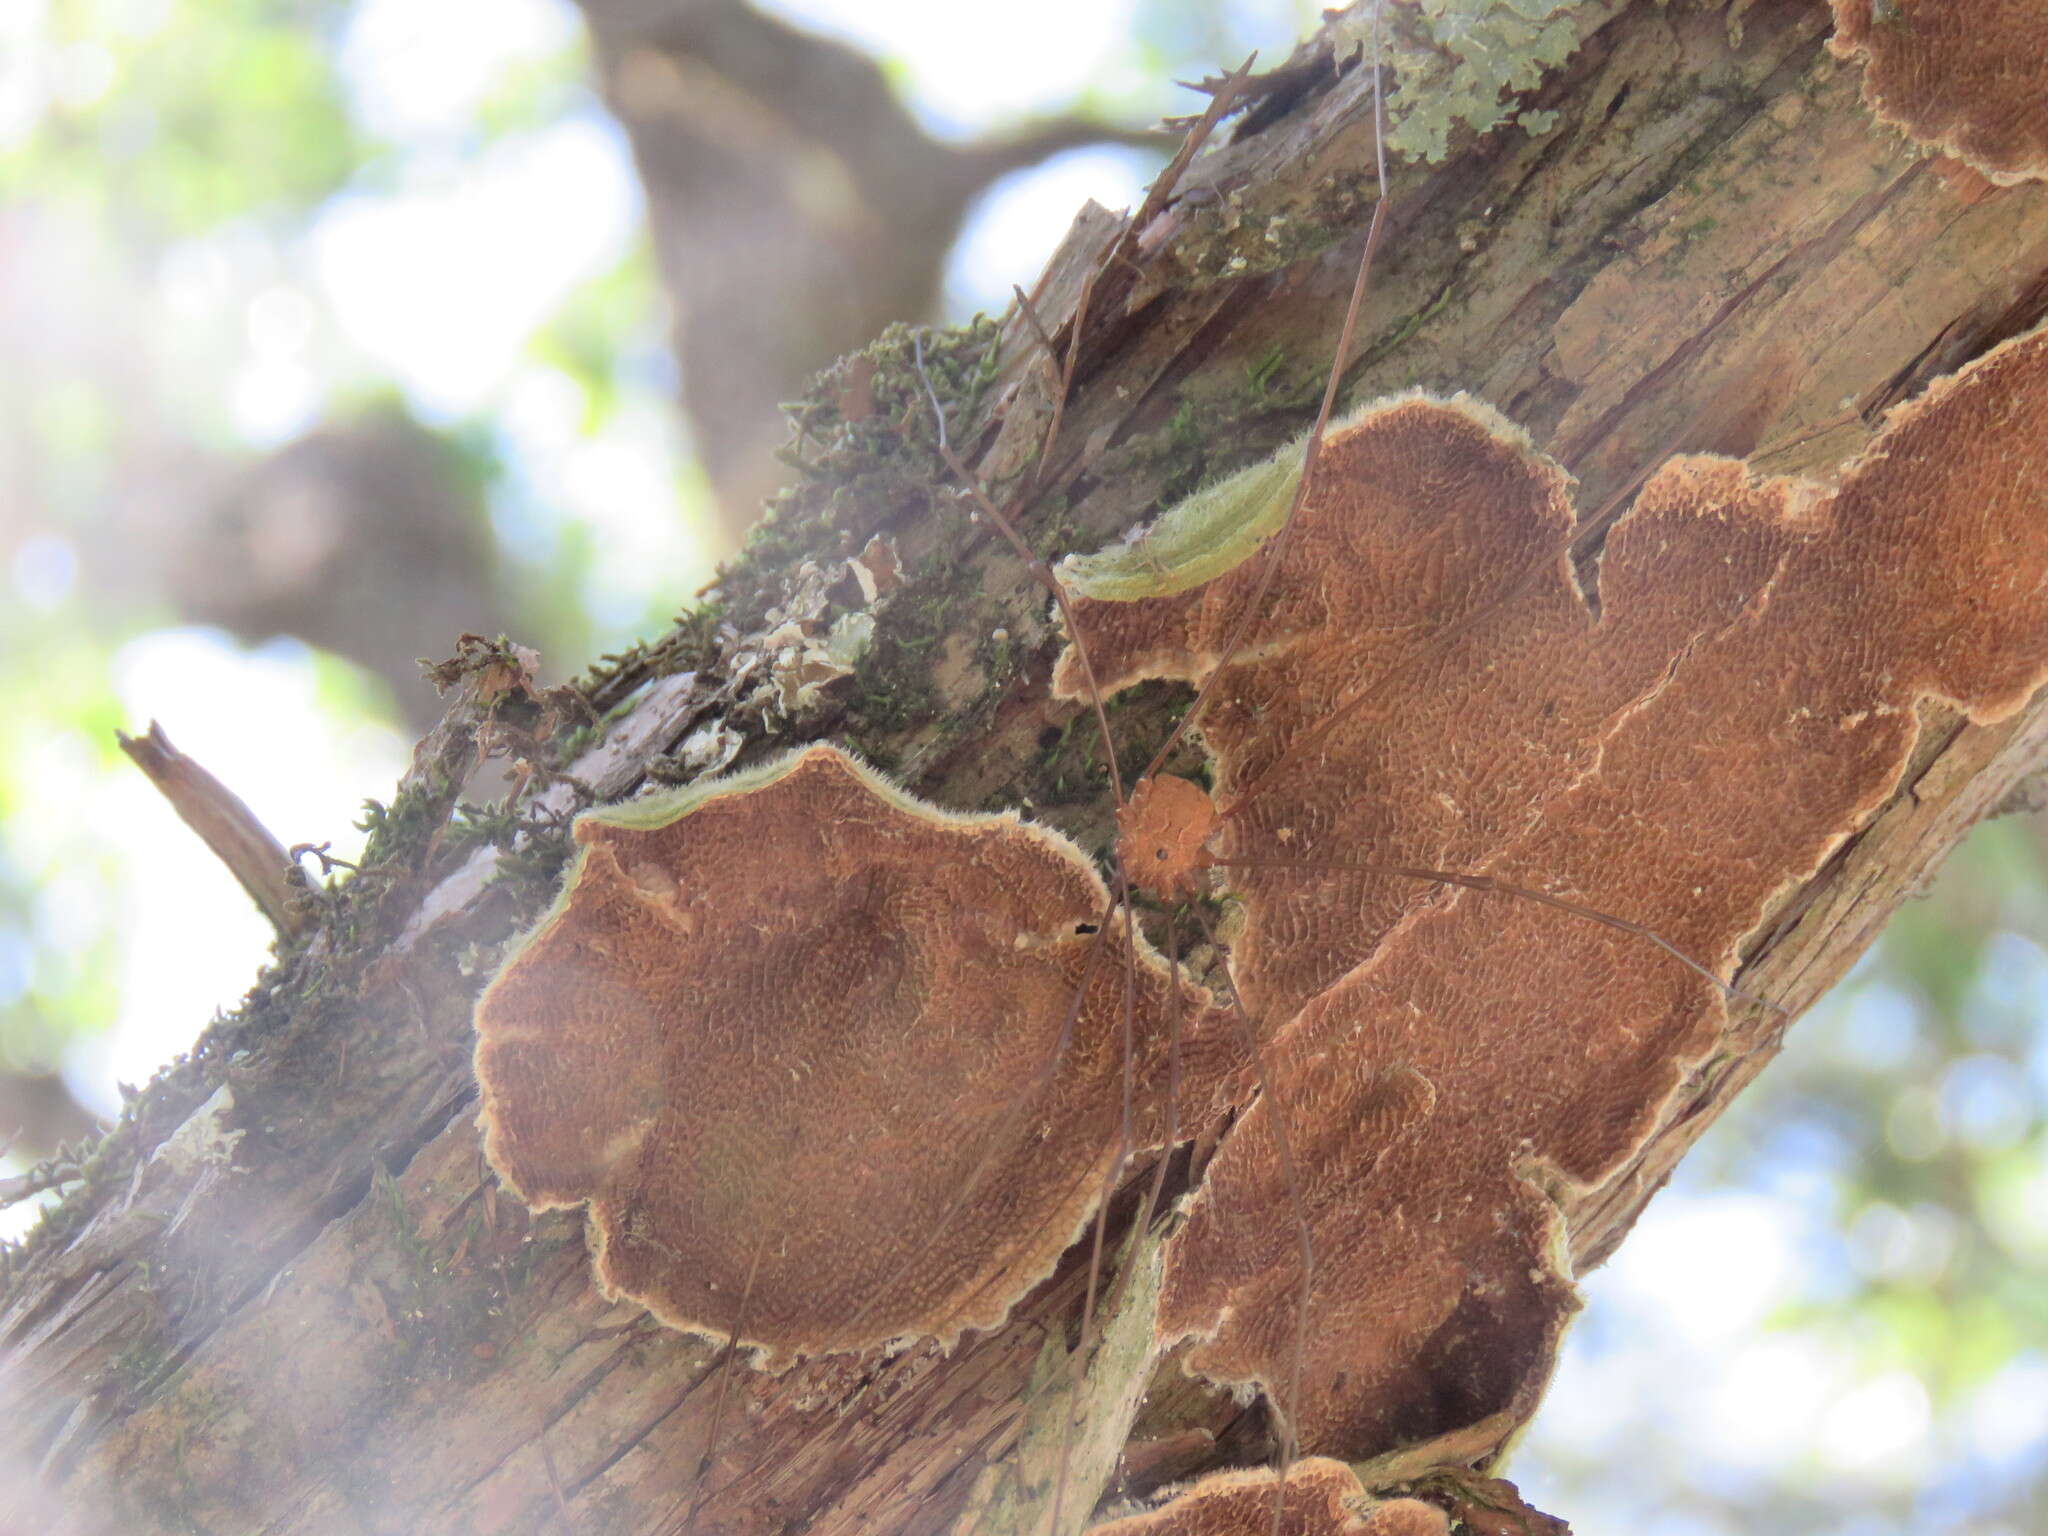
(1222, 525)
(1454, 61)
(1195, 541)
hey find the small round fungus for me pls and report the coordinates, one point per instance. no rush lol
(1971, 79)
(829, 1066)
(1163, 833)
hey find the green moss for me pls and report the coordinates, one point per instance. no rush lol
(575, 743)
(999, 656)
(532, 869)
(866, 446)
(611, 680)
(1404, 330)
(144, 1364)
(1056, 531)
(447, 1318)
(413, 815)
(892, 687)
(1259, 376)
(1453, 63)
(874, 407)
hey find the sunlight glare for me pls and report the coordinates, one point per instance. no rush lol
(941, 51)
(416, 71)
(1020, 221)
(443, 284)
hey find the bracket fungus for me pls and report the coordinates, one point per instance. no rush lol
(1431, 686)
(1970, 79)
(1324, 1498)
(831, 1067)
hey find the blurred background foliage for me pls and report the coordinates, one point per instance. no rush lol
(331, 330)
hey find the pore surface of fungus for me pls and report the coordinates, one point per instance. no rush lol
(1969, 78)
(830, 1066)
(1428, 516)
(1430, 687)
(1324, 1498)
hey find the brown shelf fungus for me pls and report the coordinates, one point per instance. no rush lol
(1323, 1498)
(1967, 78)
(1466, 1070)
(829, 1066)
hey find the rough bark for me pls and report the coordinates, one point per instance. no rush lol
(311, 1310)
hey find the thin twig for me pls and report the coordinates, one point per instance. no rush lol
(1051, 352)
(1120, 249)
(727, 1365)
(23, 1186)
(1168, 181)
(1526, 893)
(1276, 549)
(1066, 379)
(1126, 1134)
(1040, 571)
(547, 1461)
(1269, 1095)
(1801, 438)
(1171, 1134)
(222, 820)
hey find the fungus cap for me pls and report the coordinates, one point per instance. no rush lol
(1323, 1498)
(1465, 1072)
(1969, 78)
(829, 1066)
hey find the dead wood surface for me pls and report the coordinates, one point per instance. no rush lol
(316, 1313)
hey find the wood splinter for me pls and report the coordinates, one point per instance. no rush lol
(223, 820)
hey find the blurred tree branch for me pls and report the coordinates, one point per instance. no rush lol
(796, 208)
(367, 536)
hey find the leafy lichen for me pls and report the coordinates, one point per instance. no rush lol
(1462, 61)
